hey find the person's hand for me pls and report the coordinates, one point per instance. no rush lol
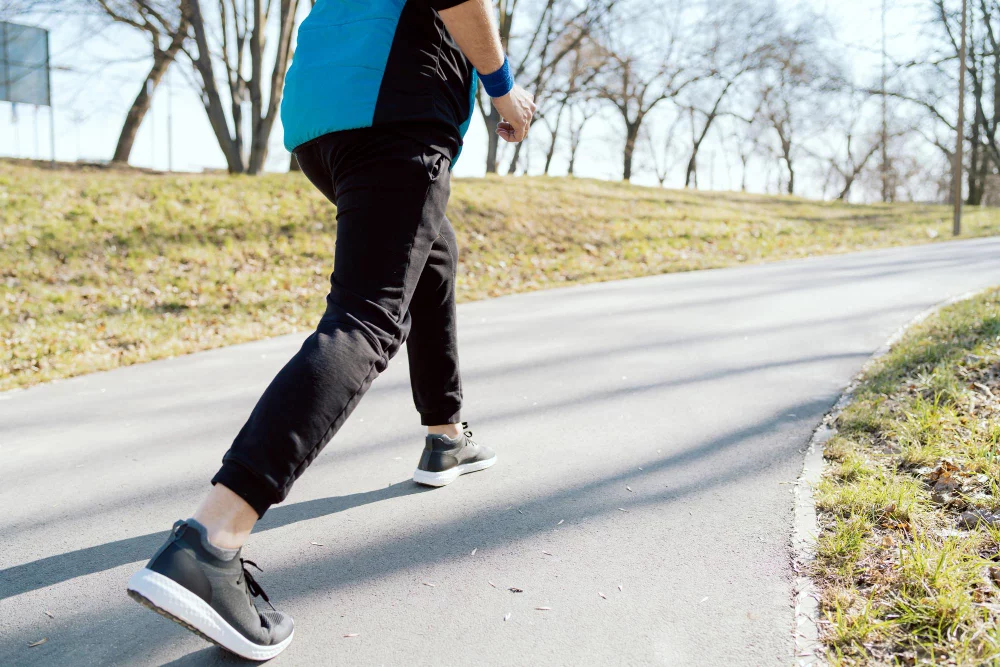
(516, 109)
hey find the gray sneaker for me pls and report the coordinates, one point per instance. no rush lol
(444, 458)
(211, 592)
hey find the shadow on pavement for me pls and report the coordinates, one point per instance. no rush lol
(55, 569)
(487, 528)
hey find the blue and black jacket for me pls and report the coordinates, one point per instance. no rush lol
(378, 63)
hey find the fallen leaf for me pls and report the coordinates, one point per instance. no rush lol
(622, 509)
(602, 595)
(544, 608)
(514, 589)
(474, 551)
(352, 634)
(38, 643)
(546, 553)
(427, 583)
(316, 544)
(629, 489)
(506, 617)
(973, 518)
(49, 614)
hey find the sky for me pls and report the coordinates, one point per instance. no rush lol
(99, 69)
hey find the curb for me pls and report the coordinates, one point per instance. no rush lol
(805, 526)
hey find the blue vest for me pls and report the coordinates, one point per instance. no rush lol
(368, 64)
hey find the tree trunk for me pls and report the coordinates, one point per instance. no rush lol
(975, 184)
(709, 119)
(848, 182)
(552, 146)
(692, 167)
(492, 119)
(786, 155)
(513, 160)
(139, 108)
(264, 118)
(210, 93)
(631, 134)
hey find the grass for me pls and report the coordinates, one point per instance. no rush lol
(908, 558)
(103, 268)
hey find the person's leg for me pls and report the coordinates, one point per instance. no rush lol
(432, 346)
(391, 194)
(432, 349)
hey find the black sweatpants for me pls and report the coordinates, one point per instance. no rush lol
(393, 281)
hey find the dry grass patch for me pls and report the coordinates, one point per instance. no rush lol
(908, 559)
(104, 268)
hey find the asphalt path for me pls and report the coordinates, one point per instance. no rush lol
(649, 432)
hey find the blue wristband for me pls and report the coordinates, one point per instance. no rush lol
(499, 82)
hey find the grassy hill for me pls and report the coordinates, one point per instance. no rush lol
(105, 268)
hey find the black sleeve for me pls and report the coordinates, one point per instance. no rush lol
(438, 5)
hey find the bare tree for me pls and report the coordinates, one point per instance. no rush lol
(559, 26)
(640, 72)
(662, 153)
(579, 114)
(747, 143)
(741, 35)
(926, 84)
(797, 75)
(569, 86)
(851, 138)
(242, 28)
(164, 22)
(854, 161)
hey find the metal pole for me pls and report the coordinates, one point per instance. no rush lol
(52, 133)
(170, 124)
(152, 125)
(956, 228)
(884, 168)
(52, 109)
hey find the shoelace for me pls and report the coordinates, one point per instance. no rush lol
(253, 588)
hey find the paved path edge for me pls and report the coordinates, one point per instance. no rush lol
(805, 526)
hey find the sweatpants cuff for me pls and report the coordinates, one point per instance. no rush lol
(438, 418)
(247, 485)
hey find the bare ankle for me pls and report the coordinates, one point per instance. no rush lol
(227, 518)
(450, 430)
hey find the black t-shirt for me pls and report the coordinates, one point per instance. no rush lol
(425, 62)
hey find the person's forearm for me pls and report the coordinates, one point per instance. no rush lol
(472, 26)
(473, 29)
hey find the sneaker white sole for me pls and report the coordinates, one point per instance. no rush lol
(170, 599)
(448, 476)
